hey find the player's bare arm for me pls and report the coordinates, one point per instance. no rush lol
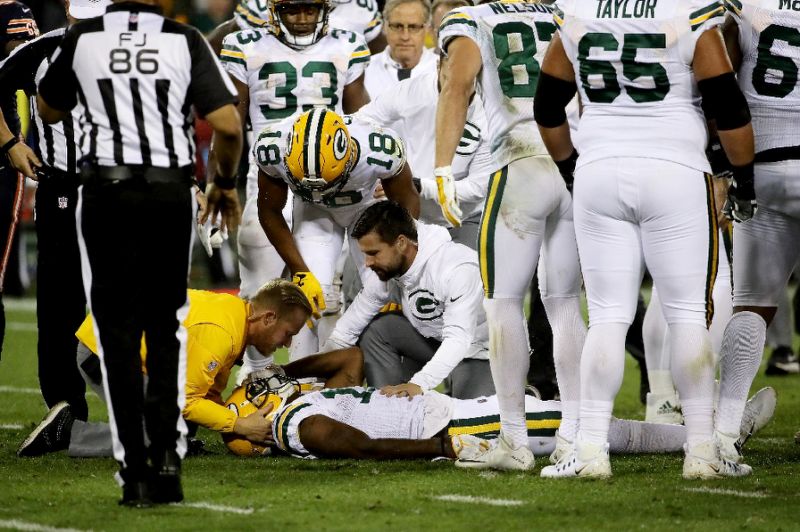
(400, 188)
(328, 438)
(378, 44)
(730, 32)
(219, 33)
(272, 196)
(339, 368)
(462, 68)
(224, 200)
(354, 96)
(549, 105)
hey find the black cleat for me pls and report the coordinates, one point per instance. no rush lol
(782, 362)
(165, 484)
(51, 435)
(136, 495)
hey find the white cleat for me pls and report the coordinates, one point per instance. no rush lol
(663, 408)
(703, 462)
(564, 448)
(586, 461)
(758, 411)
(500, 455)
(468, 447)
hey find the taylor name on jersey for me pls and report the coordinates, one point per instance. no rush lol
(313, 76)
(378, 154)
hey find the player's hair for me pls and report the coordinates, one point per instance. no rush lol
(281, 296)
(451, 4)
(388, 219)
(391, 5)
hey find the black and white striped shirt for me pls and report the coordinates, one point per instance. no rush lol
(139, 77)
(23, 69)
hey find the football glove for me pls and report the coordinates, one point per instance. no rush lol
(741, 204)
(446, 198)
(313, 291)
(567, 169)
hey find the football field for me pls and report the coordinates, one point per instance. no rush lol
(224, 492)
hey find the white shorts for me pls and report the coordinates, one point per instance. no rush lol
(481, 417)
(633, 211)
(767, 248)
(528, 210)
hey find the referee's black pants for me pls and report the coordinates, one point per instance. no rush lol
(136, 241)
(60, 299)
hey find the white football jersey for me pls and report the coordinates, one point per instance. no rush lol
(769, 36)
(513, 38)
(359, 16)
(379, 155)
(365, 409)
(633, 66)
(312, 77)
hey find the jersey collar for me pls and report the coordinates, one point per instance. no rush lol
(133, 6)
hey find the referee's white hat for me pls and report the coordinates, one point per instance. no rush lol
(81, 9)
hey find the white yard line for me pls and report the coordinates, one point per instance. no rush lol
(16, 303)
(10, 426)
(21, 326)
(469, 499)
(216, 508)
(16, 524)
(16, 389)
(735, 493)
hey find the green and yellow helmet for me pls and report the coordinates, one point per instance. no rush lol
(278, 27)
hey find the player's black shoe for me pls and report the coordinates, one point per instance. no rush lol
(51, 434)
(782, 362)
(136, 495)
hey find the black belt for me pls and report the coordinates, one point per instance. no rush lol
(151, 174)
(775, 155)
(49, 172)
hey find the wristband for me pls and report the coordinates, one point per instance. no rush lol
(744, 175)
(224, 183)
(567, 167)
(8, 145)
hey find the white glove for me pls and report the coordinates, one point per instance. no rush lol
(447, 200)
(428, 189)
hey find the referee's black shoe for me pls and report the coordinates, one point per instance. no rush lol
(135, 494)
(165, 480)
(51, 434)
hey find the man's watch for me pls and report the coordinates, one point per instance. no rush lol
(8, 145)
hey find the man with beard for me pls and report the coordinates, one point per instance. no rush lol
(441, 329)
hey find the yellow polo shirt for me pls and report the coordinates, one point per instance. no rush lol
(216, 327)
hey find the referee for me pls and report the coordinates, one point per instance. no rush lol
(60, 300)
(140, 78)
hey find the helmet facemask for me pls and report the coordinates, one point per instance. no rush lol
(281, 30)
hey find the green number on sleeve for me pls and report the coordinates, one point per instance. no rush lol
(268, 155)
(766, 61)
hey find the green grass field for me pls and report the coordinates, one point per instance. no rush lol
(225, 492)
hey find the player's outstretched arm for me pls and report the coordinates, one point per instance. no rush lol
(327, 438)
(217, 35)
(401, 189)
(355, 96)
(461, 68)
(272, 196)
(340, 368)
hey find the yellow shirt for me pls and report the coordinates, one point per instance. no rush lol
(216, 327)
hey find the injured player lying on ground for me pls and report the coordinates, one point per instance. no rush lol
(357, 422)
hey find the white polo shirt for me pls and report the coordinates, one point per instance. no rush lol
(381, 73)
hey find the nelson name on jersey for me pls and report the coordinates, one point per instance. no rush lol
(626, 8)
(498, 8)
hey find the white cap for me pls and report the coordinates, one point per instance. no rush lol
(81, 9)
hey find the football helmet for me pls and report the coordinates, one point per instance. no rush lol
(279, 28)
(269, 385)
(319, 155)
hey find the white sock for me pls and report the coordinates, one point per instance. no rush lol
(509, 358)
(628, 436)
(595, 421)
(656, 348)
(723, 310)
(570, 412)
(742, 349)
(693, 365)
(569, 334)
(660, 381)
